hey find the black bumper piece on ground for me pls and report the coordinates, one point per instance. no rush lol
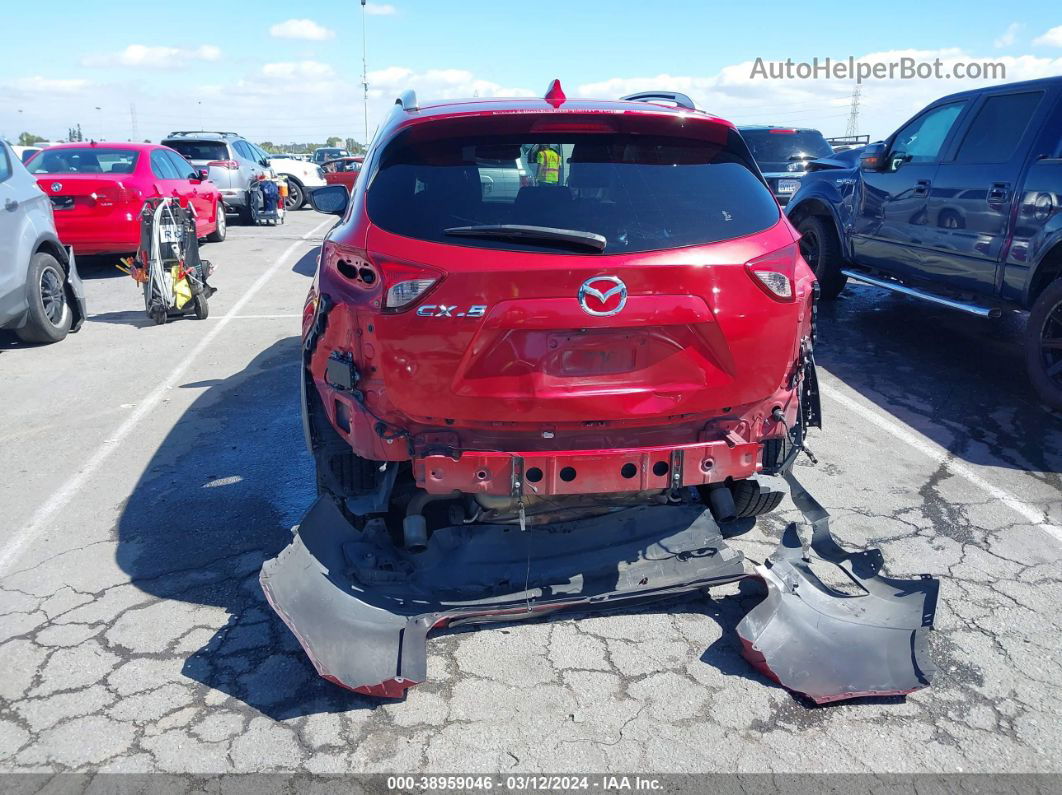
(362, 610)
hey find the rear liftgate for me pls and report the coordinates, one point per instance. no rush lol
(362, 609)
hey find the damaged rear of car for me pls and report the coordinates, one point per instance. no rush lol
(526, 400)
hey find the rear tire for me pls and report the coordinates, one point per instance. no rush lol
(202, 307)
(749, 502)
(822, 251)
(249, 212)
(221, 227)
(49, 317)
(296, 196)
(1043, 345)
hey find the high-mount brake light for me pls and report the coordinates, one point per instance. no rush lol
(782, 132)
(774, 272)
(232, 165)
(572, 126)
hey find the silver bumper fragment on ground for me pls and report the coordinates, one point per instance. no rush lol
(362, 609)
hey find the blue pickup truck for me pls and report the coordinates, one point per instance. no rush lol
(961, 206)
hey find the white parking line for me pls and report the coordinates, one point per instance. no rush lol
(942, 457)
(43, 516)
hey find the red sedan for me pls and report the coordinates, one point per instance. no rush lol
(343, 171)
(97, 190)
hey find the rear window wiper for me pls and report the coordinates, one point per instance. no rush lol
(533, 234)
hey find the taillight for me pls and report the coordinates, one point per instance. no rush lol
(232, 165)
(406, 283)
(309, 312)
(401, 283)
(774, 272)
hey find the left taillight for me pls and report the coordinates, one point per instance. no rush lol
(774, 273)
(406, 283)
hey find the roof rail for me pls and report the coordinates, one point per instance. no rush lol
(203, 132)
(408, 100)
(681, 100)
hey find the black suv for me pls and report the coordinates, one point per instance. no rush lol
(783, 154)
(961, 206)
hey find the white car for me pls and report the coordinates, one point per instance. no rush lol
(303, 179)
(25, 152)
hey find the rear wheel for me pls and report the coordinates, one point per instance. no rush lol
(1043, 345)
(221, 228)
(749, 502)
(49, 313)
(249, 211)
(296, 196)
(821, 249)
(202, 308)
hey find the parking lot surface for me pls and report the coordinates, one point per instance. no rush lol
(150, 471)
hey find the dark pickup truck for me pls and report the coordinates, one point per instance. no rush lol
(962, 206)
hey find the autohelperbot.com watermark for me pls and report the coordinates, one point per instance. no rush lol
(903, 68)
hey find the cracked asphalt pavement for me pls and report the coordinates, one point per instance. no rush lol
(144, 489)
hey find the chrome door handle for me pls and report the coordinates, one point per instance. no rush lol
(921, 187)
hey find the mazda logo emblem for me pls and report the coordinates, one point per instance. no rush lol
(595, 299)
(56, 187)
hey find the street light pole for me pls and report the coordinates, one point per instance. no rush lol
(364, 77)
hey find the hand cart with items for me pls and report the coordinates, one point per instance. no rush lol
(167, 264)
(267, 199)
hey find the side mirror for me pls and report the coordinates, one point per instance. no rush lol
(872, 158)
(330, 199)
(202, 174)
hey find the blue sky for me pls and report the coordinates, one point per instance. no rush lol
(284, 71)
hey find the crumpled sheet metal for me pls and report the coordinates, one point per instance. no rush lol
(830, 644)
(362, 610)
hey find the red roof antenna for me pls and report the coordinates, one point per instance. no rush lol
(555, 94)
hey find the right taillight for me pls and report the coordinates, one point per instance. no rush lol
(774, 272)
(232, 165)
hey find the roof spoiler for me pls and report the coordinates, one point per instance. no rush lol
(201, 132)
(408, 100)
(681, 100)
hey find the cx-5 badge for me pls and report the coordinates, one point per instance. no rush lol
(600, 296)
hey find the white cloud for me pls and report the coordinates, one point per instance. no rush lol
(154, 56)
(1052, 38)
(302, 70)
(301, 29)
(49, 85)
(380, 9)
(1008, 36)
(823, 104)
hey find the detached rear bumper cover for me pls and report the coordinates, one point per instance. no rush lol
(363, 610)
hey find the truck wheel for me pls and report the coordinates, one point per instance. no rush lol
(749, 502)
(1043, 345)
(49, 313)
(296, 196)
(220, 226)
(822, 251)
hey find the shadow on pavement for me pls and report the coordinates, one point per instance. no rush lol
(954, 378)
(218, 498)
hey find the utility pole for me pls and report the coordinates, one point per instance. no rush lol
(364, 77)
(853, 115)
(132, 122)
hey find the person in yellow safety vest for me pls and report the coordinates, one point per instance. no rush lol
(548, 166)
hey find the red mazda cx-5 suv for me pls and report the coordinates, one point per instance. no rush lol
(540, 313)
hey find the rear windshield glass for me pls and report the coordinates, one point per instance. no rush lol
(785, 146)
(640, 192)
(199, 150)
(89, 160)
